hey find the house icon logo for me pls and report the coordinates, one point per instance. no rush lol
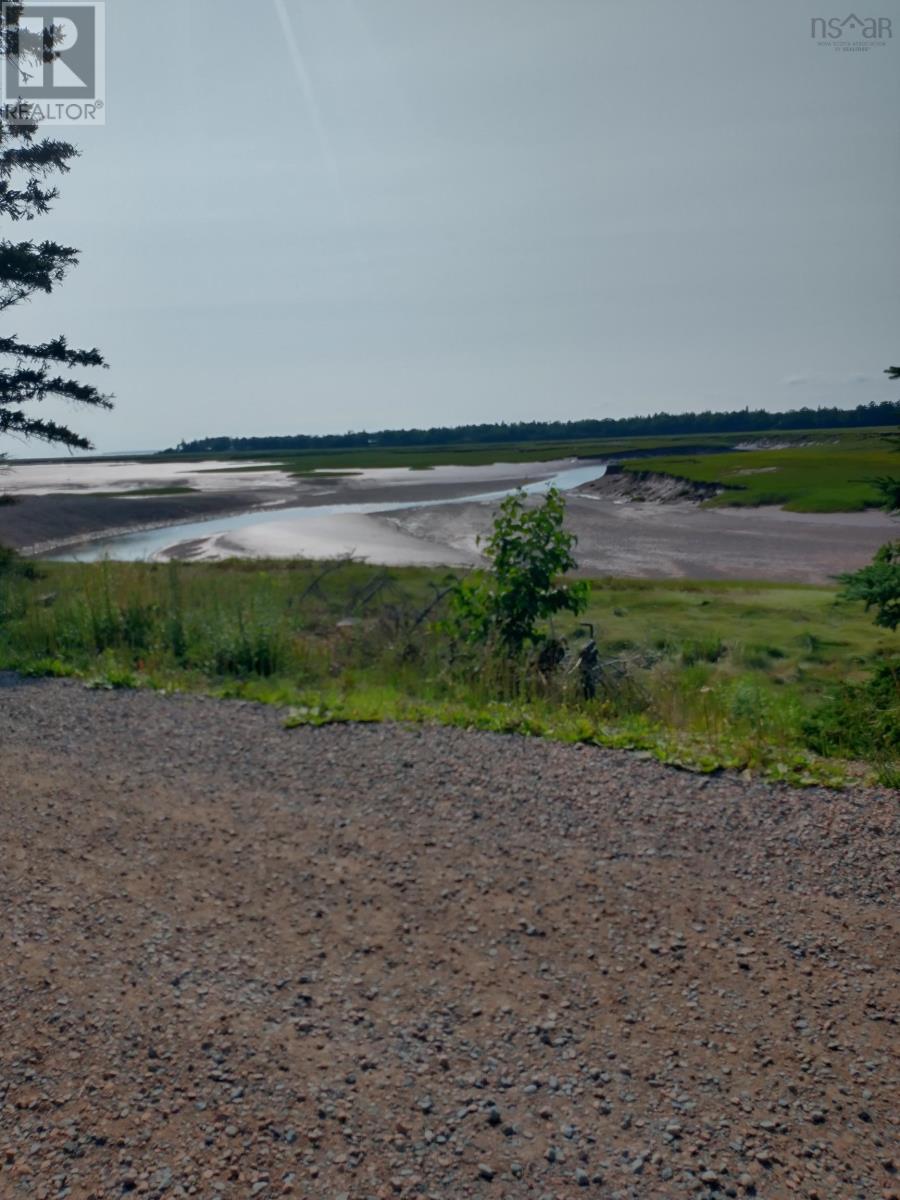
(851, 32)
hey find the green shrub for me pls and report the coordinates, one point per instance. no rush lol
(138, 624)
(878, 586)
(248, 649)
(749, 703)
(888, 489)
(698, 650)
(106, 628)
(860, 720)
(176, 633)
(529, 550)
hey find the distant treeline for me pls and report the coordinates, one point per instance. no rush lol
(745, 420)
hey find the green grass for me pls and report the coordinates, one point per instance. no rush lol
(833, 475)
(291, 467)
(789, 634)
(711, 674)
(421, 458)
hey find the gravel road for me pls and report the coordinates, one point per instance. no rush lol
(371, 961)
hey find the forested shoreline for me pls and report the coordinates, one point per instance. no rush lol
(658, 424)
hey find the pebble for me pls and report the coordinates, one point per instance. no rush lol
(240, 960)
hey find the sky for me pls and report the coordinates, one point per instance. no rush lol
(309, 216)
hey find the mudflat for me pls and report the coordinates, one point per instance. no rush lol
(72, 504)
(377, 961)
(669, 537)
(682, 540)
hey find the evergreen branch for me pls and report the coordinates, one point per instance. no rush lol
(22, 46)
(29, 203)
(28, 385)
(56, 350)
(39, 158)
(20, 131)
(16, 422)
(26, 267)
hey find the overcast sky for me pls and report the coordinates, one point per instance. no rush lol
(320, 215)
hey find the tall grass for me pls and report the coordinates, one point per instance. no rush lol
(832, 475)
(708, 675)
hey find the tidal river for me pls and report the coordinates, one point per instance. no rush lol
(315, 530)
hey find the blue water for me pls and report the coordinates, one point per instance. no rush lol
(135, 547)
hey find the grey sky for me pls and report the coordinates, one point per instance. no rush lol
(441, 211)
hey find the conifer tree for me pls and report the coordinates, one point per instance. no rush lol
(878, 584)
(30, 374)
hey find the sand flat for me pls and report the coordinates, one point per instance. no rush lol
(369, 538)
(88, 519)
(87, 478)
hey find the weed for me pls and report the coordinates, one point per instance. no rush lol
(887, 773)
(765, 677)
(861, 720)
(709, 649)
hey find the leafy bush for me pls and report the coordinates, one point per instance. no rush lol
(888, 489)
(878, 586)
(860, 720)
(749, 702)
(529, 550)
(138, 624)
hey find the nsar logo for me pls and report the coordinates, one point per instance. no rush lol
(851, 33)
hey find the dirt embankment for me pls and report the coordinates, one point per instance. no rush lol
(378, 961)
(627, 485)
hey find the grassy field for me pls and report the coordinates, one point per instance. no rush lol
(832, 475)
(706, 675)
(414, 458)
(419, 458)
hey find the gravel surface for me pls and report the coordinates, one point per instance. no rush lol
(371, 961)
